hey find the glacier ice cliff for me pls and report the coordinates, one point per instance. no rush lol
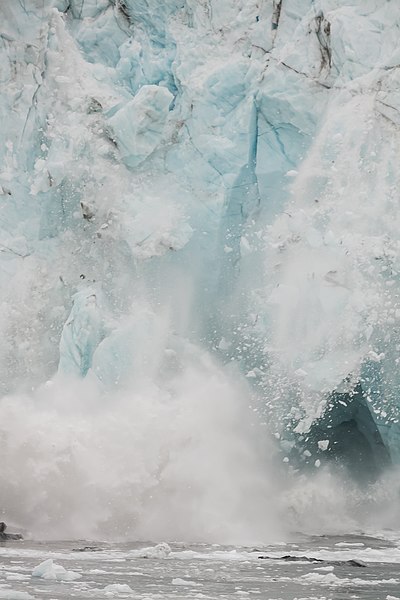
(215, 172)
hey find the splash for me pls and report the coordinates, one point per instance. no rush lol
(330, 502)
(174, 462)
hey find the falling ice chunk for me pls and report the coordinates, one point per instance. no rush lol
(300, 373)
(251, 374)
(323, 445)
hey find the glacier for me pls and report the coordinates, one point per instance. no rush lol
(208, 176)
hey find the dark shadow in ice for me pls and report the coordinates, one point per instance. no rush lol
(347, 435)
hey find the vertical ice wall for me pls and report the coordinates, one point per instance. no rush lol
(231, 163)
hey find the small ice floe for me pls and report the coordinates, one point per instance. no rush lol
(49, 570)
(349, 544)
(97, 571)
(162, 550)
(330, 579)
(179, 581)
(327, 569)
(324, 579)
(117, 589)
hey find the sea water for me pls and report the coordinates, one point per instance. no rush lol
(305, 568)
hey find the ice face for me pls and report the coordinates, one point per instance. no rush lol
(222, 171)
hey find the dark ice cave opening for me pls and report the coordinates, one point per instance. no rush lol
(355, 442)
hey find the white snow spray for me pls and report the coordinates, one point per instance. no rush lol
(180, 462)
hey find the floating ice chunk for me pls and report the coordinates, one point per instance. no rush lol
(179, 581)
(138, 126)
(49, 570)
(319, 578)
(115, 589)
(161, 550)
(98, 571)
(45, 570)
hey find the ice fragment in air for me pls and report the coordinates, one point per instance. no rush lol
(323, 445)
